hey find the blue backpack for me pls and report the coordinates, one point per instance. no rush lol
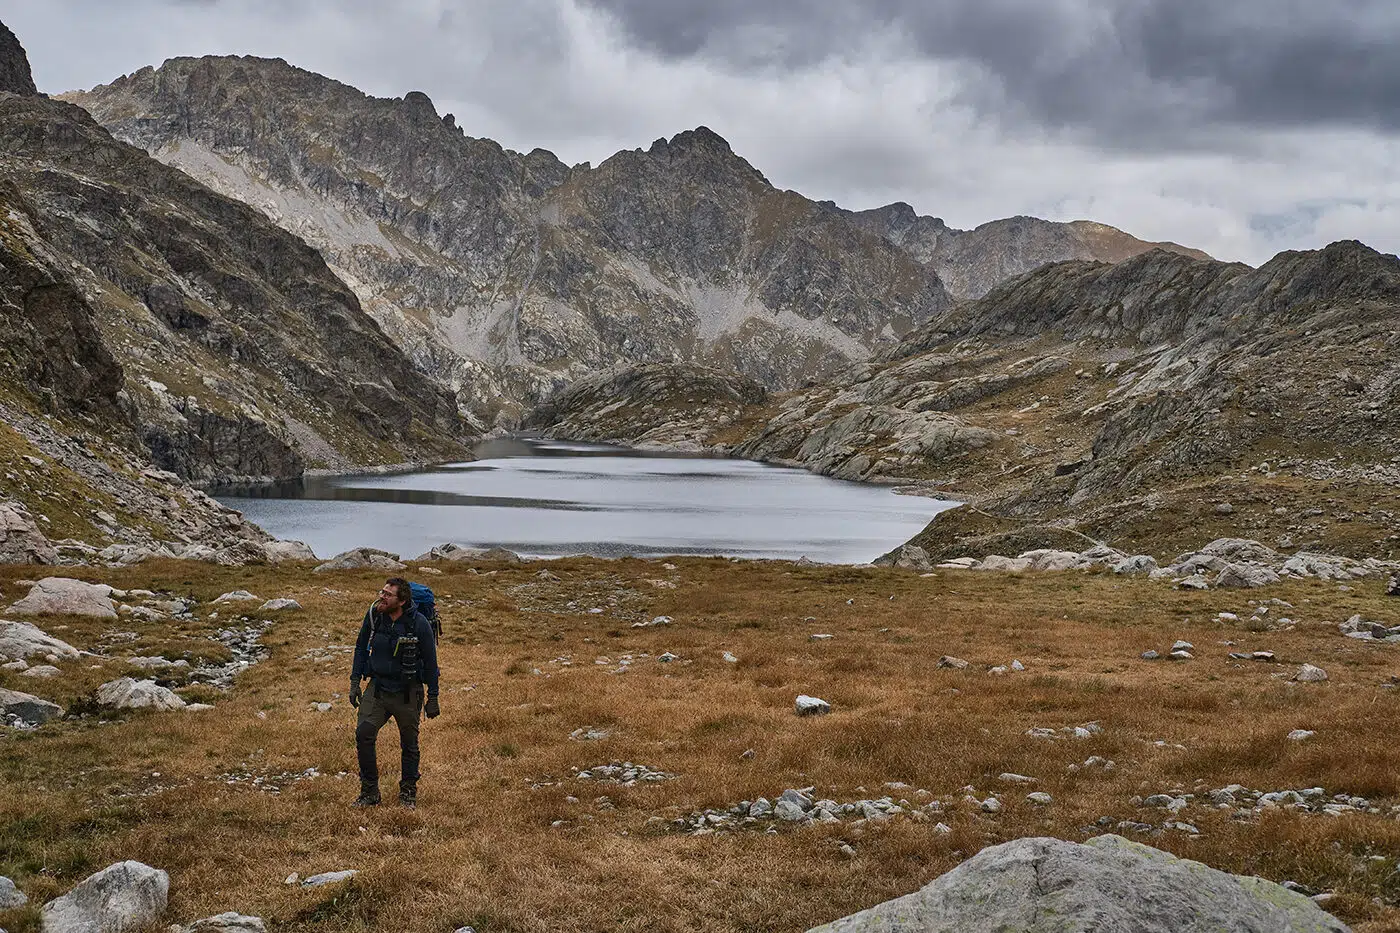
(426, 603)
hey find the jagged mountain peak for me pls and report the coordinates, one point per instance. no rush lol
(15, 76)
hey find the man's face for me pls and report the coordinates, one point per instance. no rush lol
(388, 600)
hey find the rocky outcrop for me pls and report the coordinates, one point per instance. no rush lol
(21, 541)
(15, 77)
(129, 693)
(973, 262)
(1040, 885)
(22, 640)
(674, 406)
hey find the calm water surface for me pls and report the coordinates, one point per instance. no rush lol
(551, 498)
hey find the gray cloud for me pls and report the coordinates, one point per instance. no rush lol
(1240, 128)
(1151, 72)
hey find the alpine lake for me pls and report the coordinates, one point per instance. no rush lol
(544, 498)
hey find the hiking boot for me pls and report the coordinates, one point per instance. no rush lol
(369, 797)
(408, 798)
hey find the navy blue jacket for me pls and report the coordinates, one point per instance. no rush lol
(374, 651)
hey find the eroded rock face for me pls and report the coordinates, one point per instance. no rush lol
(124, 896)
(21, 541)
(1041, 885)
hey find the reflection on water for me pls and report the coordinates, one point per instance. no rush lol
(548, 498)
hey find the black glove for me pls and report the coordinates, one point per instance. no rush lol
(431, 708)
(355, 691)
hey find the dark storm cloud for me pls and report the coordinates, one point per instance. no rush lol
(1114, 69)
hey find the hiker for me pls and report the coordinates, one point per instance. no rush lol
(396, 650)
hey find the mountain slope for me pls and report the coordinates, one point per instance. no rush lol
(508, 275)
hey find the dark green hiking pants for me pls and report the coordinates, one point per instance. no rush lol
(375, 710)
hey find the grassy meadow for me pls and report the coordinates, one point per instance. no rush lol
(233, 800)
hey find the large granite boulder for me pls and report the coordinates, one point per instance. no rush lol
(129, 693)
(362, 558)
(124, 896)
(21, 541)
(1042, 885)
(450, 551)
(1246, 576)
(26, 707)
(63, 596)
(278, 551)
(228, 922)
(22, 640)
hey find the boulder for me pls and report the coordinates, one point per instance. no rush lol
(1245, 576)
(1393, 587)
(26, 707)
(278, 552)
(237, 596)
(229, 922)
(42, 672)
(1051, 559)
(124, 555)
(811, 706)
(63, 596)
(127, 693)
(450, 551)
(1310, 674)
(124, 896)
(362, 558)
(329, 877)
(906, 556)
(22, 640)
(1040, 885)
(279, 605)
(1137, 564)
(1236, 550)
(21, 541)
(1006, 564)
(11, 897)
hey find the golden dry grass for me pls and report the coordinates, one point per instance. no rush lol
(482, 848)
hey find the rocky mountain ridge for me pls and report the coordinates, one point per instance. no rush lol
(509, 275)
(160, 326)
(1145, 405)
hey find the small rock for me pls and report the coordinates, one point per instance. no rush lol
(126, 693)
(1309, 674)
(236, 596)
(846, 850)
(1301, 735)
(1040, 798)
(957, 664)
(991, 805)
(1180, 645)
(729, 657)
(26, 707)
(63, 596)
(229, 922)
(667, 657)
(659, 620)
(1181, 656)
(1010, 778)
(820, 637)
(330, 877)
(278, 605)
(1017, 666)
(1150, 655)
(42, 672)
(811, 706)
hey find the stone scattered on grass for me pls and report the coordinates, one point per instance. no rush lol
(329, 877)
(124, 896)
(367, 558)
(1310, 674)
(1301, 735)
(811, 706)
(948, 661)
(229, 922)
(278, 605)
(237, 596)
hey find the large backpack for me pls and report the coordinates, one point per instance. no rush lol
(426, 603)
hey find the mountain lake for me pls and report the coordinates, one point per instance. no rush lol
(553, 498)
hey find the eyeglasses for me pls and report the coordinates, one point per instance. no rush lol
(387, 591)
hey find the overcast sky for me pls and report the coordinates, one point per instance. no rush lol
(1242, 127)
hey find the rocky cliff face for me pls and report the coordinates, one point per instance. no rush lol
(973, 262)
(15, 76)
(508, 275)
